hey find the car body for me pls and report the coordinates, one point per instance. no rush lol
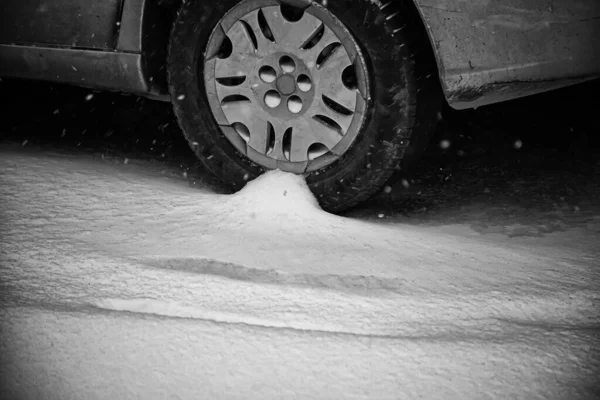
(487, 51)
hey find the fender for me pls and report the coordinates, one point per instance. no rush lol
(490, 51)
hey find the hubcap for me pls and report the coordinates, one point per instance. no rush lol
(287, 88)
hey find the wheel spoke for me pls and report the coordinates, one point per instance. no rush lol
(243, 54)
(224, 91)
(234, 66)
(239, 111)
(320, 108)
(279, 128)
(323, 134)
(310, 55)
(305, 133)
(337, 92)
(331, 72)
(255, 120)
(291, 34)
(335, 62)
(301, 141)
(259, 137)
(264, 45)
(241, 39)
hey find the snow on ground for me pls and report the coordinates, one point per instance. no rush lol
(120, 281)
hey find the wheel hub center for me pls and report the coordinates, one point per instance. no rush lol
(286, 84)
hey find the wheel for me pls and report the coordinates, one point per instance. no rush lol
(344, 93)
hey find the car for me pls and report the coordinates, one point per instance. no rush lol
(344, 92)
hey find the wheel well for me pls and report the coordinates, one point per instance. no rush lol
(158, 23)
(420, 29)
(156, 29)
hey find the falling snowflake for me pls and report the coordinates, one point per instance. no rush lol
(126, 161)
(518, 144)
(24, 142)
(181, 97)
(380, 215)
(89, 97)
(246, 177)
(387, 189)
(444, 144)
(185, 174)
(405, 183)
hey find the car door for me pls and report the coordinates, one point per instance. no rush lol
(84, 24)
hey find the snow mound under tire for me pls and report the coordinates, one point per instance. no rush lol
(274, 196)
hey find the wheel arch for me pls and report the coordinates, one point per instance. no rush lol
(141, 16)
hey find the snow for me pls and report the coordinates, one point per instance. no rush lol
(121, 281)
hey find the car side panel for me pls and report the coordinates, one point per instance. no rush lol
(132, 61)
(90, 24)
(495, 50)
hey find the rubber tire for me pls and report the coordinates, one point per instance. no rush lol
(405, 97)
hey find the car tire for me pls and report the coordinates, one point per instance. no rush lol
(399, 112)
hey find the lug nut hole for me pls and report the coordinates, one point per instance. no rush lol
(304, 83)
(294, 104)
(287, 64)
(267, 74)
(272, 98)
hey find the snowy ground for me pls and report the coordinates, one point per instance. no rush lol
(121, 281)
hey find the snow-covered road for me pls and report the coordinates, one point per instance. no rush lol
(122, 282)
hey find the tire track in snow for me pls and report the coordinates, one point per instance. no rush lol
(483, 329)
(240, 295)
(356, 283)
